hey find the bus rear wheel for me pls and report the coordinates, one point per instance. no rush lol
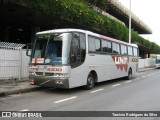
(129, 74)
(90, 82)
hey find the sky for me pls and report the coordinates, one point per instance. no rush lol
(148, 11)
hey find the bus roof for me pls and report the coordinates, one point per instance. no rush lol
(87, 32)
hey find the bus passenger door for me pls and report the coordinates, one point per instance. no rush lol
(77, 57)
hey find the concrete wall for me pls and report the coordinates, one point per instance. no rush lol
(148, 62)
(13, 64)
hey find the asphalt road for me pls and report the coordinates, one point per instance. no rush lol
(139, 94)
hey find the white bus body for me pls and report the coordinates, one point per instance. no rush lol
(85, 58)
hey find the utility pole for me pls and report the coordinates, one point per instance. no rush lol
(130, 17)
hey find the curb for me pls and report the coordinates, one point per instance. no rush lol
(24, 90)
(146, 70)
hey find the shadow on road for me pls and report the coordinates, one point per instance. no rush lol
(81, 89)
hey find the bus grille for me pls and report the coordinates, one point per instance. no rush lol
(44, 74)
(39, 73)
(49, 74)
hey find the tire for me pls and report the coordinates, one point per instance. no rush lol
(90, 82)
(129, 74)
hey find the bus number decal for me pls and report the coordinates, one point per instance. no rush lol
(134, 59)
(121, 62)
(54, 69)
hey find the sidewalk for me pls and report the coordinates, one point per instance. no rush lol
(146, 69)
(15, 87)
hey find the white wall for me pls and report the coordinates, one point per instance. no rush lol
(148, 62)
(13, 64)
(24, 67)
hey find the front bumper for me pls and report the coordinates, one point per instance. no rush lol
(50, 81)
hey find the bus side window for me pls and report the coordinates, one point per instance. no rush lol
(75, 48)
(109, 45)
(116, 48)
(135, 51)
(123, 49)
(130, 51)
(78, 49)
(82, 46)
(106, 46)
(98, 45)
(91, 44)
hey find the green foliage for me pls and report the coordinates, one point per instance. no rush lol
(99, 3)
(78, 11)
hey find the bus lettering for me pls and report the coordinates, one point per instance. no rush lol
(121, 62)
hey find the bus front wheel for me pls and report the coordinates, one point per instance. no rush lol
(90, 82)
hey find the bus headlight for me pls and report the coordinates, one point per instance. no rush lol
(61, 75)
(31, 73)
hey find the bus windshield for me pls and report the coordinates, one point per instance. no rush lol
(52, 48)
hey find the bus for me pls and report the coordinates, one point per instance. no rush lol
(157, 61)
(69, 58)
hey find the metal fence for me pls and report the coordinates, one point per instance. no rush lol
(13, 61)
